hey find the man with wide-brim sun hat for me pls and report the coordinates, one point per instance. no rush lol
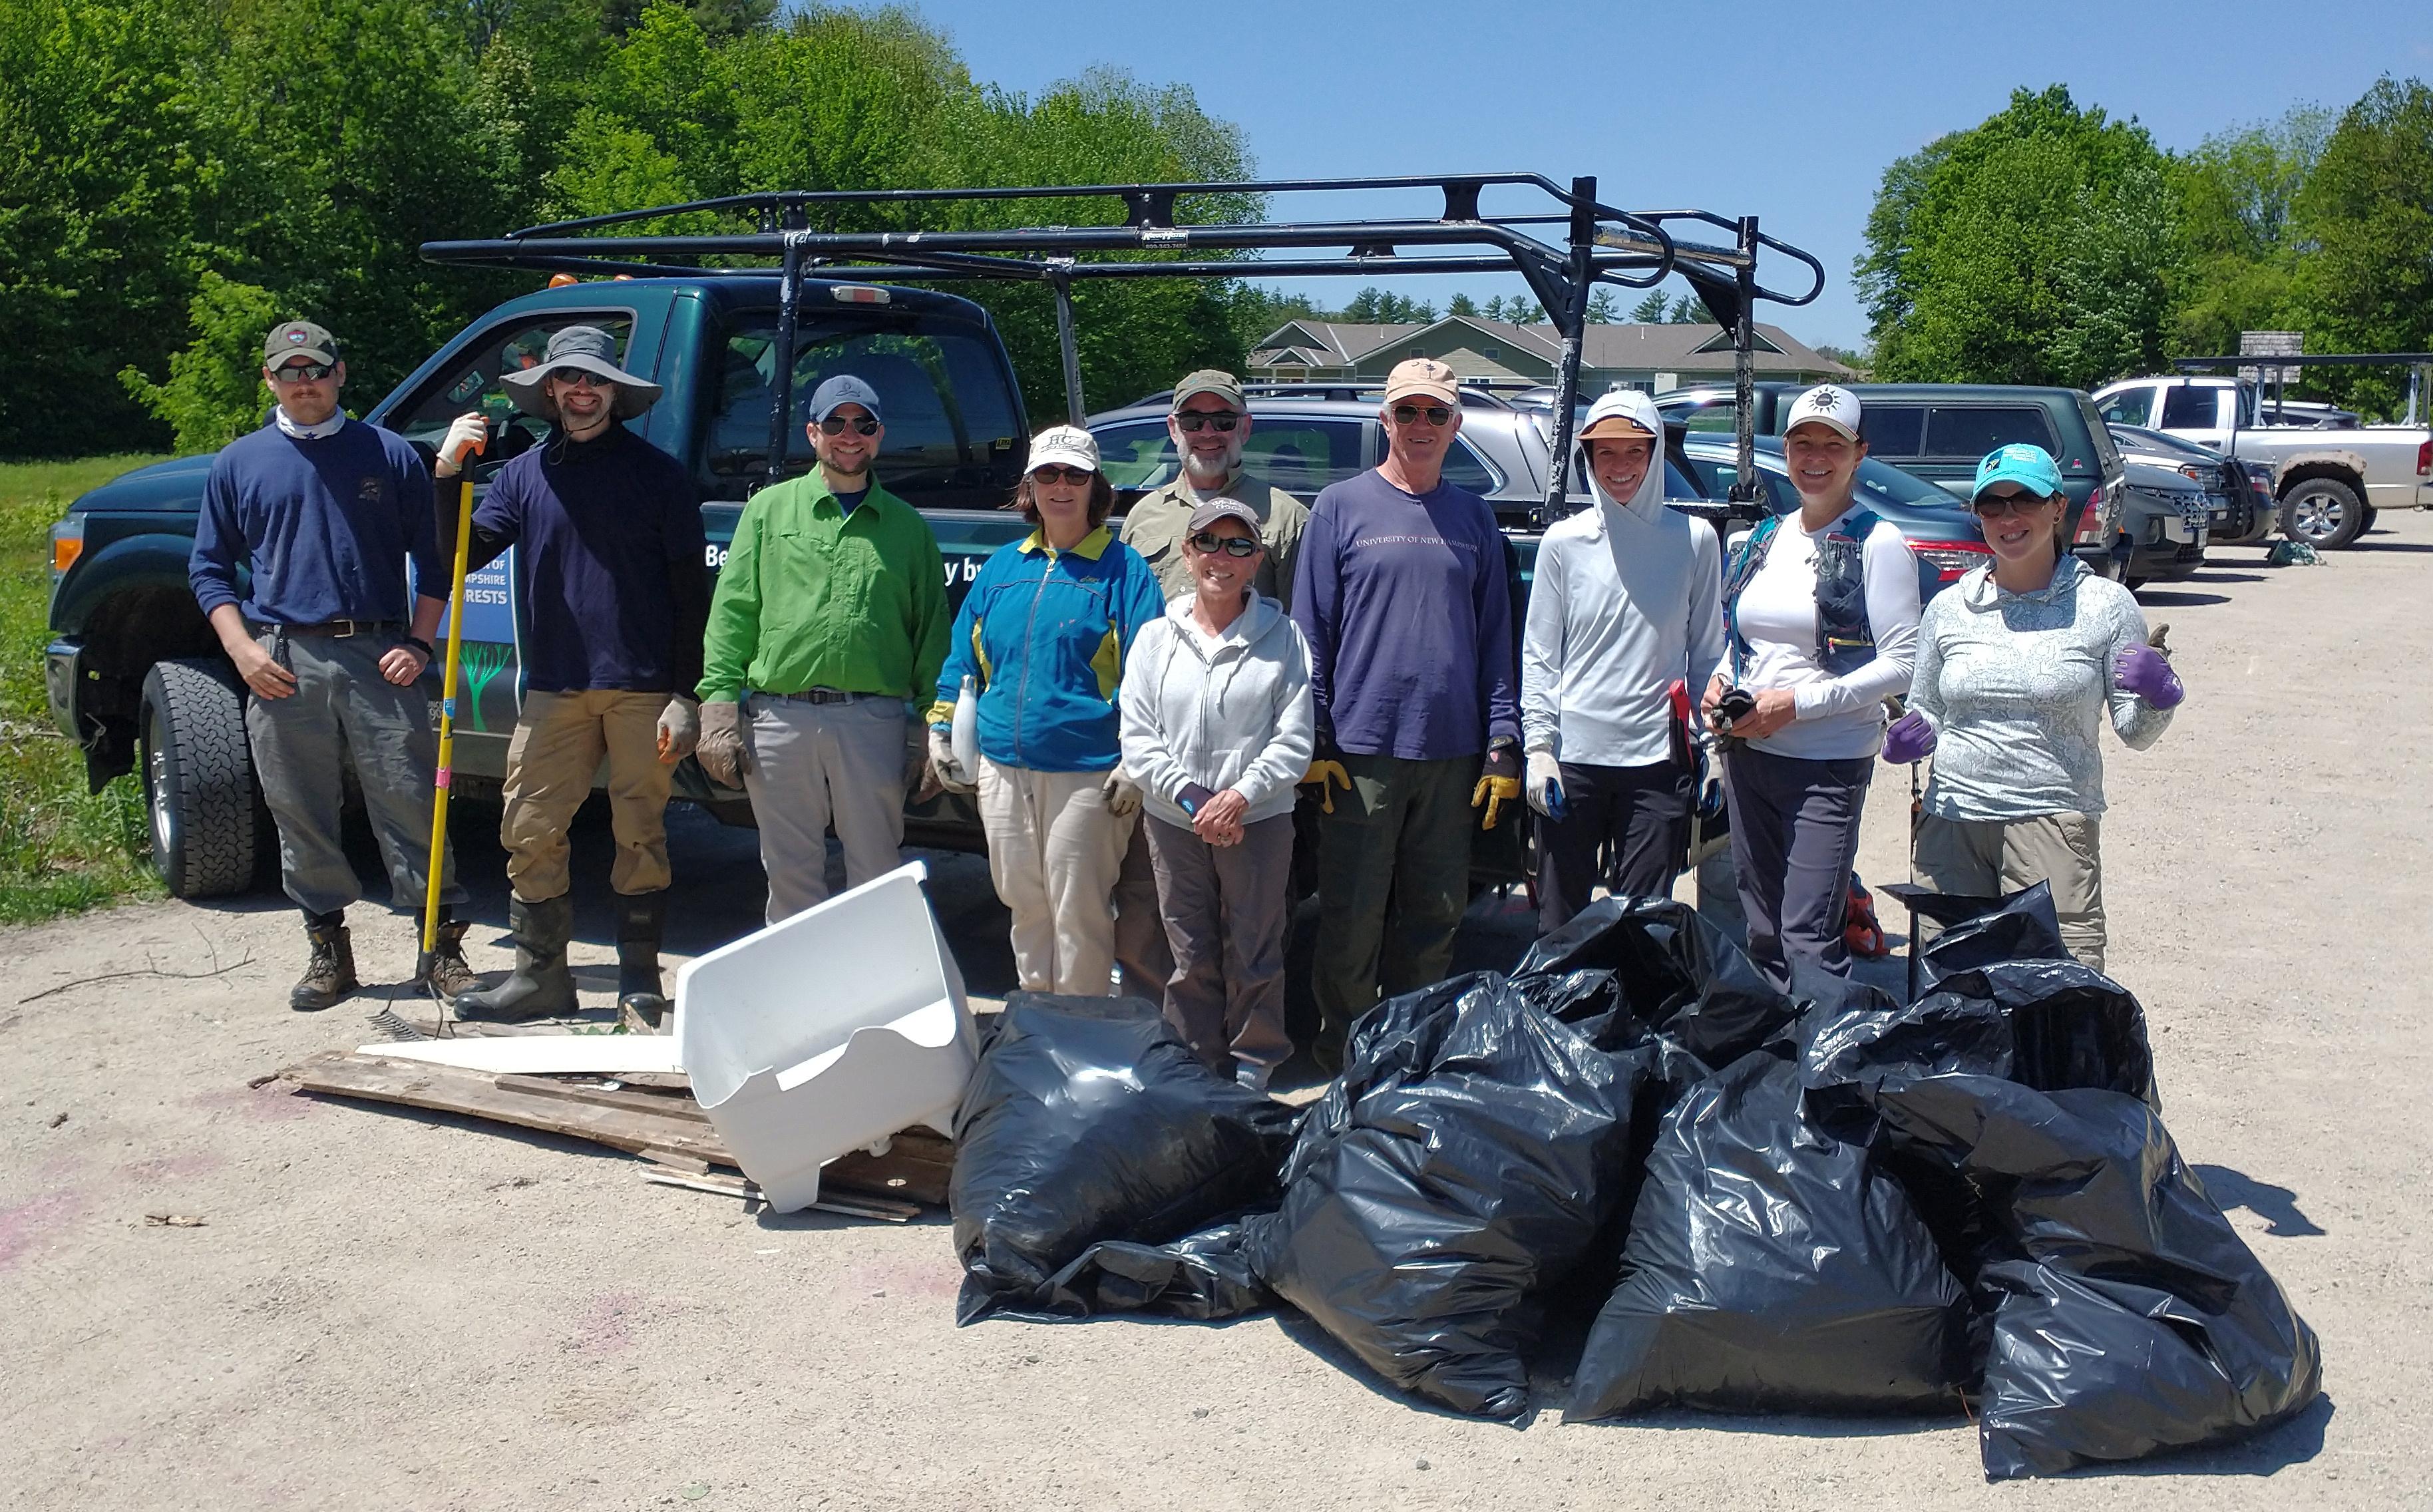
(610, 576)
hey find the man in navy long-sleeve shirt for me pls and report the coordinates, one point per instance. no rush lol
(323, 511)
(1402, 594)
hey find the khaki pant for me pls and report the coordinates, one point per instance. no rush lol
(818, 764)
(1985, 858)
(1054, 854)
(559, 742)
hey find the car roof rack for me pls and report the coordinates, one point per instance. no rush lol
(1198, 230)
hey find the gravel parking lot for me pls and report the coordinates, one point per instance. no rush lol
(391, 1309)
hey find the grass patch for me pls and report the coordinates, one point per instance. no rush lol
(61, 849)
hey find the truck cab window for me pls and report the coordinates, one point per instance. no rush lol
(2189, 407)
(2131, 407)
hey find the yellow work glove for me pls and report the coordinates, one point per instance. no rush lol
(1499, 783)
(1326, 772)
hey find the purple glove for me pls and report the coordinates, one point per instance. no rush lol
(1908, 739)
(2142, 671)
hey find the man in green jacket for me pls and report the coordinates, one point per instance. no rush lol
(829, 614)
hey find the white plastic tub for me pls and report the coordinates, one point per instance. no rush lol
(826, 1032)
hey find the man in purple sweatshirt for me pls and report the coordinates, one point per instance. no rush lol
(1402, 594)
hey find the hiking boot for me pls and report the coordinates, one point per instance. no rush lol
(541, 987)
(444, 969)
(329, 975)
(642, 918)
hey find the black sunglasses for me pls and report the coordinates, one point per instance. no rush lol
(1196, 421)
(303, 372)
(1436, 413)
(1211, 543)
(835, 425)
(1990, 507)
(579, 378)
(1055, 473)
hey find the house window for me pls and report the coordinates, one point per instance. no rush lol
(1417, 352)
(1491, 353)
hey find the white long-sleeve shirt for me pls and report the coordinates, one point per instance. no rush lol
(1625, 601)
(1839, 717)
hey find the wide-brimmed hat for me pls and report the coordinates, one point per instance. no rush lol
(590, 350)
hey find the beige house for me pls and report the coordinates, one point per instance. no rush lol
(1654, 358)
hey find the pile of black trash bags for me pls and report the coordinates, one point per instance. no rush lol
(1826, 1204)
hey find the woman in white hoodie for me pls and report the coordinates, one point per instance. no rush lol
(1217, 728)
(1626, 620)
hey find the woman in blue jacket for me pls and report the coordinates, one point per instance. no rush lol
(1043, 635)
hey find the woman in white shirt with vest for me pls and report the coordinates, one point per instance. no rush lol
(1821, 607)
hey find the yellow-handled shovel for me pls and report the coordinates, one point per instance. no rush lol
(447, 739)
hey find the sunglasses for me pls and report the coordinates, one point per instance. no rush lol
(1210, 543)
(1993, 506)
(836, 424)
(302, 372)
(1433, 413)
(1194, 421)
(579, 378)
(1054, 473)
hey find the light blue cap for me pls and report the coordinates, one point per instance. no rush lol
(844, 389)
(2030, 466)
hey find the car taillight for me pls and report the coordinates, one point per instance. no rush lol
(1951, 559)
(2424, 457)
(2090, 524)
(67, 544)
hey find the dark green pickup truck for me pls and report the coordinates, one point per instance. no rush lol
(136, 675)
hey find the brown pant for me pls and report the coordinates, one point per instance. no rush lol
(1985, 859)
(1224, 908)
(560, 741)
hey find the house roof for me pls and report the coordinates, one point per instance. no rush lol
(1687, 348)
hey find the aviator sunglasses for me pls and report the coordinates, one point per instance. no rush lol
(1434, 413)
(1196, 421)
(1211, 543)
(836, 424)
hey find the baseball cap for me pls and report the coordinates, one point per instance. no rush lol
(1835, 408)
(298, 338)
(1620, 414)
(2030, 466)
(1421, 375)
(1213, 382)
(1066, 445)
(1214, 510)
(841, 390)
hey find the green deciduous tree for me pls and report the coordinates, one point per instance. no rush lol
(2234, 197)
(2363, 222)
(215, 392)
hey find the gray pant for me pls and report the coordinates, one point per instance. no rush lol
(343, 705)
(817, 764)
(1794, 836)
(1143, 961)
(1224, 908)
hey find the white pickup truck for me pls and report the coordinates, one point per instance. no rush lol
(2330, 481)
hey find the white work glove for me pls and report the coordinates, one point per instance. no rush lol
(467, 432)
(1122, 794)
(951, 774)
(1545, 784)
(721, 746)
(679, 729)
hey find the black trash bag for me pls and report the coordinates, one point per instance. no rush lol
(1089, 1120)
(2133, 1319)
(1771, 1268)
(1463, 1163)
(1667, 970)
(1204, 1277)
(1980, 931)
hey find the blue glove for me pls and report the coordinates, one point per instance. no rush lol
(1910, 738)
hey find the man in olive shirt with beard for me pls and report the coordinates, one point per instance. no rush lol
(1210, 421)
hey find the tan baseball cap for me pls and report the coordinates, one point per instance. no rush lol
(1214, 383)
(1421, 375)
(298, 338)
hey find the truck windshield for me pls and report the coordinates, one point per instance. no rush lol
(954, 436)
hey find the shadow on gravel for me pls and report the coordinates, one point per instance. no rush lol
(2169, 599)
(2276, 1205)
(2296, 1442)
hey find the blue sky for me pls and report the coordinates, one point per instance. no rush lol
(1642, 95)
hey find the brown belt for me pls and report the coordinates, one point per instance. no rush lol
(340, 629)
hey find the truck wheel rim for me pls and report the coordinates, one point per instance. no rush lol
(2317, 515)
(156, 790)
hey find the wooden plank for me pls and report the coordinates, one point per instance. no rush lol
(658, 1105)
(916, 1167)
(850, 1206)
(602, 1054)
(474, 1094)
(676, 1160)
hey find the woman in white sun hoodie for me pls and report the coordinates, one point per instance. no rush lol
(1217, 728)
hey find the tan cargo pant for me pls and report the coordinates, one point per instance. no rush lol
(1054, 854)
(560, 741)
(1985, 858)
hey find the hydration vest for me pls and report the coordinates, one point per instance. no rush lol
(1845, 640)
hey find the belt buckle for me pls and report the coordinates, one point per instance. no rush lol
(353, 628)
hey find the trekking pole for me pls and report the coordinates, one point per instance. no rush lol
(1916, 804)
(447, 745)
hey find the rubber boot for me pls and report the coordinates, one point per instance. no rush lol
(541, 986)
(444, 969)
(642, 918)
(329, 975)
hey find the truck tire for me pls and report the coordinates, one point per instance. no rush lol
(199, 783)
(2323, 511)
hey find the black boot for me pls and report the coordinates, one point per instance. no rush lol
(541, 986)
(329, 975)
(640, 920)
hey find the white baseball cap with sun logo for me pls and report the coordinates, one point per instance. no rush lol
(1835, 408)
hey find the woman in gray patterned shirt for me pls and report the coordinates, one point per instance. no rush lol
(2019, 665)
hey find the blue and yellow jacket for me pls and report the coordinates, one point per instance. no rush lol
(1044, 632)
